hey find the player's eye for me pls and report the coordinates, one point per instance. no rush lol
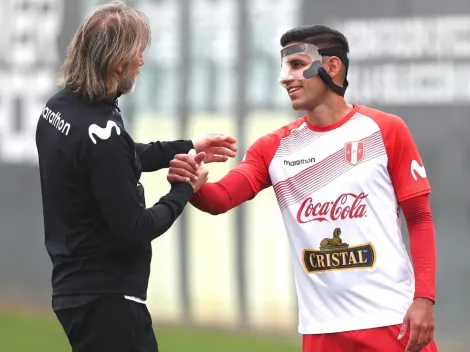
(295, 64)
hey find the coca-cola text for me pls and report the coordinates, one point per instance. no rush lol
(346, 206)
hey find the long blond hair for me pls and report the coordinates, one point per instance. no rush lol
(112, 36)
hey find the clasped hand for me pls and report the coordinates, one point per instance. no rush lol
(188, 167)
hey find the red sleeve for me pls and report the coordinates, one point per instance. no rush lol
(219, 197)
(405, 166)
(248, 178)
(420, 224)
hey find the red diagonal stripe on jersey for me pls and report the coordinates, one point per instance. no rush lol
(297, 188)
(313, 178)
(317, 176)
(296, 140)
(302, 137)
(313, 172)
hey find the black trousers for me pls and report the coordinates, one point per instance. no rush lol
(109, 324)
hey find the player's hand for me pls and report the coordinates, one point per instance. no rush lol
(202, 176)
(218, 147)
(184, 167)
(420, 320)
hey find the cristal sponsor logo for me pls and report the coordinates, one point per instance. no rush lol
(54, 118)
(346, 206)
(334, 254)
(299, 162)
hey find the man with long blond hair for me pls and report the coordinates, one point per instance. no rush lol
(98, 230)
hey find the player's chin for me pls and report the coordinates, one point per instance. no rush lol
(297, 104)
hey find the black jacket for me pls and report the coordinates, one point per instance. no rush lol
(98, 231)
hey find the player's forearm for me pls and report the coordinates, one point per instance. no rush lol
(423, 253)
(219, 197)
(212, 198)
(157, 155)
(420, 224)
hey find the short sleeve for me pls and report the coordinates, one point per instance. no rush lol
(255, 164)
(405, 166)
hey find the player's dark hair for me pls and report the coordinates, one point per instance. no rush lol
(319, 35)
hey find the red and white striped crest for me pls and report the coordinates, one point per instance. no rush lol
(354, 152)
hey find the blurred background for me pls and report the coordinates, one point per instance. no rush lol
(225, 282)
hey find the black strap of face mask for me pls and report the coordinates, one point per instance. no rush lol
(334, 51)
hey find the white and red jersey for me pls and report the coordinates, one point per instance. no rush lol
(339, 188)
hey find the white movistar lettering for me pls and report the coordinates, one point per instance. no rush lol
(417, 169)
(55, 120)
(102, 133)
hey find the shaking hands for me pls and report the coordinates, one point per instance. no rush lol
(189, 167)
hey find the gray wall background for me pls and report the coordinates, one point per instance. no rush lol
(439, 121)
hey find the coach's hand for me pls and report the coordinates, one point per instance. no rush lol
(218, 147)
(420, 320)
(184, 168)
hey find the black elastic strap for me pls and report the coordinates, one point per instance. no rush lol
(334, 51)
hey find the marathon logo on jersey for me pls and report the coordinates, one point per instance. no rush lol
(299, 162)
(334, 254)
(56, 120)
(346, 206)
(354, 152)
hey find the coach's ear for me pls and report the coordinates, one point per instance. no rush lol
(121, 67)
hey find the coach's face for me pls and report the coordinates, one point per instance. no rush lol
(129, 74)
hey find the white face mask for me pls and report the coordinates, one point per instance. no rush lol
(299, 61)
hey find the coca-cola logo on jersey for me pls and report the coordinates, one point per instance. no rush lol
(346, 206)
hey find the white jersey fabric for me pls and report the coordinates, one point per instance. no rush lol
(339, 188)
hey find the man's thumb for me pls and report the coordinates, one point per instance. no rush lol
(404, 328)
(199, 158)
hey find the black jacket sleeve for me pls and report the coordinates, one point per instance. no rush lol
(115, 186)
(157, 155)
